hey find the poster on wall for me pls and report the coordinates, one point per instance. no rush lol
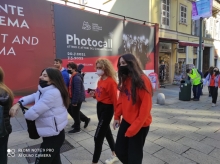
(201, 8)
(26, 42)
(83, 37)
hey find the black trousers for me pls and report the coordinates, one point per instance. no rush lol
(77, 115)
(129, 150)
(51, 146)
(197, 91)
(105, 113)
(209, 91)
(3, 149)
(214, 94)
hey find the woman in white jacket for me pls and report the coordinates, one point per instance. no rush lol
(49, 112)
(213, 80)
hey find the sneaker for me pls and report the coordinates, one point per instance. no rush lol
(86, 123)
(213, 105)
(74, 131)
(111, 160)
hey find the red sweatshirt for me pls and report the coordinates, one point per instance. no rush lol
(106, 91)
(138, 115)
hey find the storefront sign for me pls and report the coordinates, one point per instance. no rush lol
(201, 8)
(165, 47)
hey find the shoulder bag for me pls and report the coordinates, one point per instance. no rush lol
(31, 127)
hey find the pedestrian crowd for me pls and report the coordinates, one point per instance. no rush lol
(61, 92)
(211, 79)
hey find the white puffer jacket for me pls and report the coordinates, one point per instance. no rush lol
(49, 112)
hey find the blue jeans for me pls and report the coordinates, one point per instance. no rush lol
(197, 91)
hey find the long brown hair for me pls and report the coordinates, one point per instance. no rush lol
(135, 72)
(57, 80)
(4, 88)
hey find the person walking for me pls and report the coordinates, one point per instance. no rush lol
(206, 74)
(213, 79)
(77, 96)
(6, 101)
(58, 64)
(196, 81)
(49, 112)
(106, 96)
(133, 111)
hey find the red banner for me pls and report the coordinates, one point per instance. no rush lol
(26, 42)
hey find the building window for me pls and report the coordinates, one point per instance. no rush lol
(194, 50)
(165, 18)
(182, 49)
(183, 11)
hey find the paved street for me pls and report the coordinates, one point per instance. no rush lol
(181, 133)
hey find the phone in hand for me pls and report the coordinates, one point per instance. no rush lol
(89, 90)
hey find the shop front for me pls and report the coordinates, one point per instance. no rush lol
(167, 59)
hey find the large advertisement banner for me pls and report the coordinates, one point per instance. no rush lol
(26, 42)
(201, 8)
(83, 37)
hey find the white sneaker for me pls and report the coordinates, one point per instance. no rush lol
(213, 105)
(111, 160)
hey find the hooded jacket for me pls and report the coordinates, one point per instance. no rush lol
(80, 67)
(49, 112)
(4, 101)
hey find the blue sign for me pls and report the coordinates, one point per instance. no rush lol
(201, 8)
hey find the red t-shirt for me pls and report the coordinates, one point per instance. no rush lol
(212, 81)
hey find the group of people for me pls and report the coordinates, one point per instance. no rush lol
(59, 94)
(211, 79)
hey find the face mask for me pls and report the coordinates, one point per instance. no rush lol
(123, 70)
(100, 72)
(69, 71)
(43, 83)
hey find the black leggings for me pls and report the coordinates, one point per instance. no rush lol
(3, 149)
(129, 150)
(104, 113)
(51, 146)
(214, 94)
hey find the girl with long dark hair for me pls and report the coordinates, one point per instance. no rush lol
(6, 100)
(213, 79)
(133, 109)
(49, 112)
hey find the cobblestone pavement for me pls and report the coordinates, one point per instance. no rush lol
(181, 133)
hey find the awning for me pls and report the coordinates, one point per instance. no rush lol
(193, 44)
(168, 40)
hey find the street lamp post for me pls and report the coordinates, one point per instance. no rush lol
(200, 44)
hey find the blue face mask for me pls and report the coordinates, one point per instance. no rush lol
(43, 83)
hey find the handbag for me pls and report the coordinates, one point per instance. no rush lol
(31, 127)
(3, 130)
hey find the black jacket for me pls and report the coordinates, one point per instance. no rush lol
(78, 91)
(4, 101)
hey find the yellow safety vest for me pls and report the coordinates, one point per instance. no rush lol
(195, 77)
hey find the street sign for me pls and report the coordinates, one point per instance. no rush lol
(201, 8)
